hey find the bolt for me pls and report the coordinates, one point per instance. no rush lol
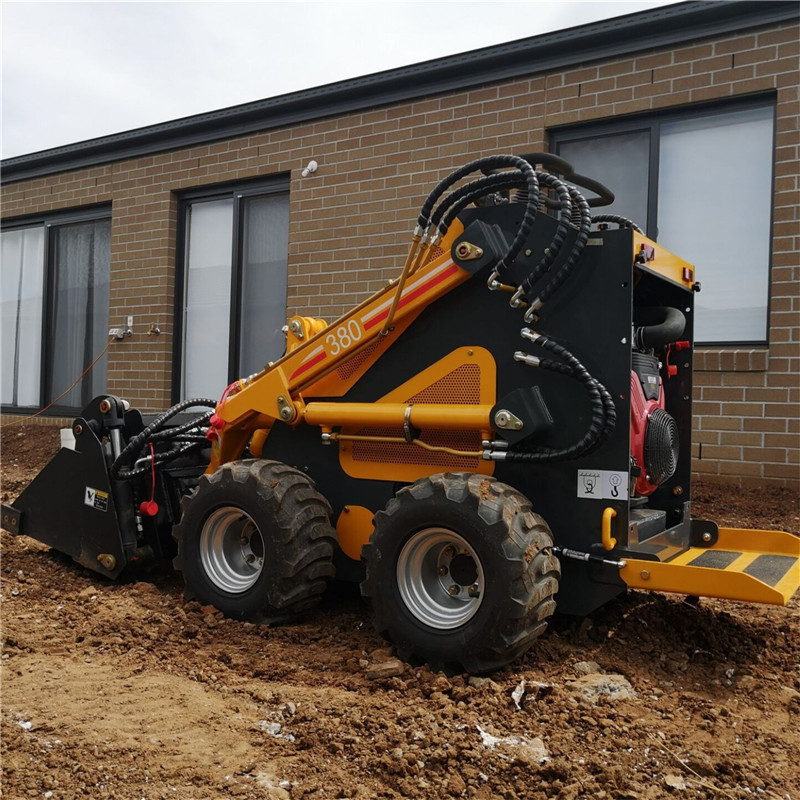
(78, 430)
(286, 413)
(105, 406)
(474, 590)
(250, 558)
(677, 491)
(707, 537)
(449, 551)
(443, 571)
(453, 589)
(645, 574)
(107, 561)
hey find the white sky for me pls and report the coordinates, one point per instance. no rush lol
(77, 70)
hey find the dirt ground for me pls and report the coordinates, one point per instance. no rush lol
(126, 691)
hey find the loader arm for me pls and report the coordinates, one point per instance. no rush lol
(276, 393)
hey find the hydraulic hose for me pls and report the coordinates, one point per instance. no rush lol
(558, 280)
(456, 201)
(570, 203)
(552, 252)
(492, 162)
(134, 446)
(623, 222)
(603, 411)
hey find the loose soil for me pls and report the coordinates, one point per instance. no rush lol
(124, 690)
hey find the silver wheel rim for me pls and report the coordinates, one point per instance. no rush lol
(440, 578)
(231, 550)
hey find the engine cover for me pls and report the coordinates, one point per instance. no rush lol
(654, 432)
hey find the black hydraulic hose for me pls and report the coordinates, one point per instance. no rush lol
(610, 410)
(603, 419)
(160, 459)
(616, 219)
(456, 201)
(174, 433)
(493, 162)
(487, 162)
(137, 442)
(553, 250)
(578, 247)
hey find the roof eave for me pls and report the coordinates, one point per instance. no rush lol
(666, 25)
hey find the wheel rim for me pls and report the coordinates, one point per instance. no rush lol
(440, 578)
(231, 550)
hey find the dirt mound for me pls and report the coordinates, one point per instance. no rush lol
(127, 691)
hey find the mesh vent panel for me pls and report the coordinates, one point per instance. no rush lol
(351, 366)
(390, 453)
(434, 253)
(462, 385)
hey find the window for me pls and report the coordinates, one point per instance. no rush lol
(234, 247)
(55, 296)
(700, 183)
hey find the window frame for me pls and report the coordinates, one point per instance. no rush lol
(239, 192)
(48, 221)
(652, 122)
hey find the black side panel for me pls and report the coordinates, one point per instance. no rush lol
(592, 317)
(69, 506)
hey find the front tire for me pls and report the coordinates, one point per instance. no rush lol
(255, 541)
(460, 573)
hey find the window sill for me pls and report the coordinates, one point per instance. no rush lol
(734, 360)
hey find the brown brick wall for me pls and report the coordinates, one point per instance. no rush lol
(350, 221)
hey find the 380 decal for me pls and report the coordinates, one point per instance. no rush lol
(344, 337)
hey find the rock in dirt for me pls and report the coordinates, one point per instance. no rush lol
(594, 686)
(482, 683)
(587, 668)
(517, 694)
(385, 669)
(675, 781)
(789, 696)
(516, 748)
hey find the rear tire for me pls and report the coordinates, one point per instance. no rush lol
(460, 573)
(255, 541)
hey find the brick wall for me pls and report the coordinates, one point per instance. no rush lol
(350, 222)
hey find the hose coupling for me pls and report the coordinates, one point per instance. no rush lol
(531, 361)
(531, 314)
(527, 333)
(518, 298)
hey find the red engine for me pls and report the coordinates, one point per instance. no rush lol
(654, 432)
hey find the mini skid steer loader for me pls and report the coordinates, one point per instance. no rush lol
(503, 430)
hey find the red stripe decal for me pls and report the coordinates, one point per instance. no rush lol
(303, 367)
(406, 299)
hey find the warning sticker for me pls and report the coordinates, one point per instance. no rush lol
(602, 484)
(95, 499)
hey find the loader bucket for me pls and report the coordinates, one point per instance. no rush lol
(750, 565)
(70, 506)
